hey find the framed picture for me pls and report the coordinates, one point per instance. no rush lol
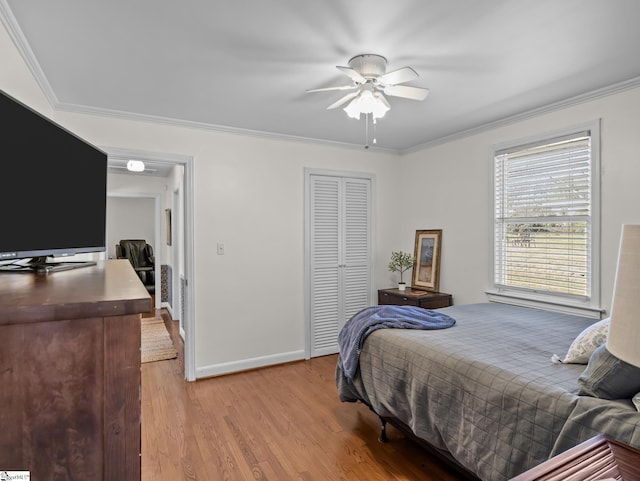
(426, 272)
(167, 217)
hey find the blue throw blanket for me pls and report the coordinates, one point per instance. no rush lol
(364, 322)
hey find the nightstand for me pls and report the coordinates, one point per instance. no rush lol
(414, 297)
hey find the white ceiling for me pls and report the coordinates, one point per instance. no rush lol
(245, 65)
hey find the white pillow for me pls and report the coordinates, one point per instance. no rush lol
(636, 401)
(586, 343)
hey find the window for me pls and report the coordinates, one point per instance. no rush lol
(546, 201)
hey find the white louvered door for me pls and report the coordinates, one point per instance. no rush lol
(339, 258)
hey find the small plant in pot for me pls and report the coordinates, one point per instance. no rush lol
(400, 262)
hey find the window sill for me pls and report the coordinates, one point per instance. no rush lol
(547, 303)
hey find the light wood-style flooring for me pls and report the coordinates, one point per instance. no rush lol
(277, 423)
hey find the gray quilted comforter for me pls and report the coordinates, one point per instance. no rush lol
(485, 390)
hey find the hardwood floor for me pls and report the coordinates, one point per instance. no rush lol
(278, 423)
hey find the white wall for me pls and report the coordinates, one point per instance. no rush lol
(452, 183)
(140, 191)
(129, 218)
(249, 196)
(176, 203)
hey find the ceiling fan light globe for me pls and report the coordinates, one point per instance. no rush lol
(380, 106)
(352, 110)
(367, 102)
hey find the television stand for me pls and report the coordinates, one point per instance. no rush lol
(70, 364)
(40, 265)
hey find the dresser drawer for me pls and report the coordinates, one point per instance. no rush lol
(414, 297)
(398, 300)
(435, 302)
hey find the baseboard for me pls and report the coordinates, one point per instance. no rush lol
(246, 364)
(167, 306)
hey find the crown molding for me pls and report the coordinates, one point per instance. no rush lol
(562, 104)
(189, 124)
(15, 33)
(576, 100)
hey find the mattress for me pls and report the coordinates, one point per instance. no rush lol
(485, 390)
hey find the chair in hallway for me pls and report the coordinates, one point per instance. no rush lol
(140, 254)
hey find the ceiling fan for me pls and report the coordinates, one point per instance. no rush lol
(370, 80)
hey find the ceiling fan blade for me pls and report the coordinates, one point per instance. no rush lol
(355, 76)
(414, 93)
(343, 100)
(327, 89)
(402, 75)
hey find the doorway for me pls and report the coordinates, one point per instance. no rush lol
(176, 172)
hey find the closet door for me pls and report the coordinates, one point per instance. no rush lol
(339, 258)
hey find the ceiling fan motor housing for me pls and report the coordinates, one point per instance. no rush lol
(369, 66)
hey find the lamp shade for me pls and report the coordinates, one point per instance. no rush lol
(624, 332)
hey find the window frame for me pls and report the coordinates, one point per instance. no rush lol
(589, 306)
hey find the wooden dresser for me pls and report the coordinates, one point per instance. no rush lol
(70, 372)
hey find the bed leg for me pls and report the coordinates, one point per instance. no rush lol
(383, 431)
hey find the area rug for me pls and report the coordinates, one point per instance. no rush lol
(156, 344)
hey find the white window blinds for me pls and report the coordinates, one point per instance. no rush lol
(543, 217)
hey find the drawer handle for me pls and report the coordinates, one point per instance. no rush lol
(405, 298)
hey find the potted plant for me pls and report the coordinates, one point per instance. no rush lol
(400, 262)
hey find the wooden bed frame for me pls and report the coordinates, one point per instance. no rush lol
(443, 455)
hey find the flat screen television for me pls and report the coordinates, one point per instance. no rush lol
(53, 192)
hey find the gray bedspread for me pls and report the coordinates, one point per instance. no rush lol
(485, 390)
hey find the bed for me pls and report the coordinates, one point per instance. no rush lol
(485, 391)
